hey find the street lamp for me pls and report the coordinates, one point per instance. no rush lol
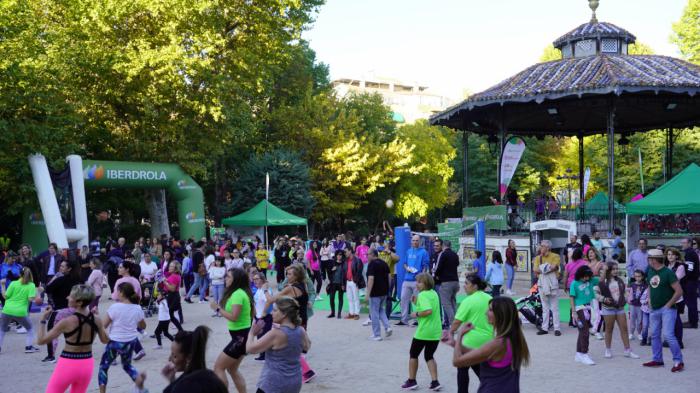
(569, 176)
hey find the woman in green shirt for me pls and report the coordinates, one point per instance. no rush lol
(473, 310)
(17, 298)
(237, 307)
(428, 333)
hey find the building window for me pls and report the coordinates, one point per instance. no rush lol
(609, 45)
(566, 51)
(585, 48)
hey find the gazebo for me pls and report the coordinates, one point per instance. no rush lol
(265, 214)
(596, 88)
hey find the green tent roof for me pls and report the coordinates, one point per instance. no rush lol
(678, 195)
(598, 205)
(255, 217)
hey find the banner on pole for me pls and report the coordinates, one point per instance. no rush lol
(512, 152)
(586, 179)
(267, 186)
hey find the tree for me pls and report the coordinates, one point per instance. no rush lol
(550, 53)
(686, 32)
(290, 182)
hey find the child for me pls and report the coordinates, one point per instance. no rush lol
(163, 321)
(494, 274)
(637, 288)
(428, 333)
(581, 294)
(644, 300)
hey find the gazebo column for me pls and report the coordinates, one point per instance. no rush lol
(611, 167)
(465, 165)
(581, 203)
(669, 153)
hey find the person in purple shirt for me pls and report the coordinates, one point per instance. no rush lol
(637, 259)
(417, 261)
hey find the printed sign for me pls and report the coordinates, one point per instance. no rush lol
(512, 152)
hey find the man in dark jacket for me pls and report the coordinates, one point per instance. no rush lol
(690, 289)
(50, 263)
(354, 282)
(445, 273)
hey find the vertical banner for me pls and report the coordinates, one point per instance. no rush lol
(586, 179)
(402, 236)
(512, 152)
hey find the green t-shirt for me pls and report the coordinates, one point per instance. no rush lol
(473, 309)
(582, 292)
(660, 289)
(18, 296)
(429, 326)
(243, 321)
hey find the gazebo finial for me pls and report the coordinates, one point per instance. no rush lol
(594, 6)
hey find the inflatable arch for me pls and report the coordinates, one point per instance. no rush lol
(91, 174)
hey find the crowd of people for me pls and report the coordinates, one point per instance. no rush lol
(272, 320)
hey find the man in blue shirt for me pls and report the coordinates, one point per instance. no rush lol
(479, 265)
(417, 261)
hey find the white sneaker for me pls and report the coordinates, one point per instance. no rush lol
(367, 322)
(599, 336)
(639, 337)
(631, 337)
(630, 354)
(509, 292)
(202, 301)
(608, 353)
(157, 347)
(21, 330)
(388, 332)
(586, 359)
(577, 358)
(375, 338)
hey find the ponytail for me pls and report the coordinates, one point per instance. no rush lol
(194, 346)
(26, 276)
(129, 292)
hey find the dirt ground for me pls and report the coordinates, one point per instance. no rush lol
(346, 361)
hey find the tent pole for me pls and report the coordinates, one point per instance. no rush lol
(611, 167)
(307, 231)
(669, 153)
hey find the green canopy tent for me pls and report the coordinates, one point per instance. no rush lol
(598, 205)
(678, 195)
(265, 214)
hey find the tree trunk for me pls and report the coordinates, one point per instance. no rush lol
(158, 211)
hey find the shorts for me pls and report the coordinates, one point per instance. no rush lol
(612, 311)
(418, 345)
(236, 348)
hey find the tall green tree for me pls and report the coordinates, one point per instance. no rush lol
(686, 32)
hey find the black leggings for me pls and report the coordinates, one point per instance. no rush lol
(332, 290)
(418, 345)
(163, 328)
(173, 299)
(49, 325)
(463, 378)
(319, 280)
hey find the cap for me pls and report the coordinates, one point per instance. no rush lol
(654, 253)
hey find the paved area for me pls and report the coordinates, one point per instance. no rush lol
(346, 361)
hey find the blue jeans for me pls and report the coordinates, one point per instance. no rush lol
(217, 290)
(664, 319)
(378, 314)
(510, 270)
(201, 282)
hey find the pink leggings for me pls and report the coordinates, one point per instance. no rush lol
(73, 373)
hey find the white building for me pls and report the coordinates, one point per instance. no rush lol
(408, 101)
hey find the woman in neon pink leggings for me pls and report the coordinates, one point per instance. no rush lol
(75, 366)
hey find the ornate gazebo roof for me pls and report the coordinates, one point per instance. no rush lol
(574, 95)
(555, 85)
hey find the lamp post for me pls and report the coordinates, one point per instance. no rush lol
(569, 176)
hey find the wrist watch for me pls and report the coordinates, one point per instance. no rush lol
(43, 322)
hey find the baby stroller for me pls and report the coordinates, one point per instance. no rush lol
(148, 301)
(531, 308)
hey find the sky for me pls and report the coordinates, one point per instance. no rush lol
(455, 46)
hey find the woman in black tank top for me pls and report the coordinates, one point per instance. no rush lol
(75, 366)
